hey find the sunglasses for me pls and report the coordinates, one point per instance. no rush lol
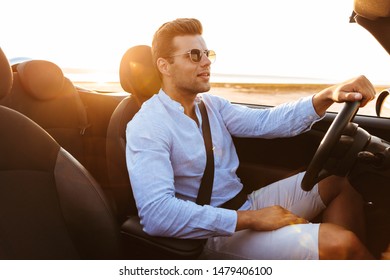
(196, 55)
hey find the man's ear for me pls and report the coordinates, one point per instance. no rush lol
(163, 66)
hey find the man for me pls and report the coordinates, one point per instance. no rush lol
(166, 159)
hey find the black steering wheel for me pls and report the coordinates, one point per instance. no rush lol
(315, 171)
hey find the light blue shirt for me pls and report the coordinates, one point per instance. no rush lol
(166, 159)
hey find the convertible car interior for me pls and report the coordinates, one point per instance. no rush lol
(64, 188)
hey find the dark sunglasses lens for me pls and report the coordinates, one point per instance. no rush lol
(195, 55)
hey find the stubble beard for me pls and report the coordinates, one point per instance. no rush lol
(192, 88)
(197, 88)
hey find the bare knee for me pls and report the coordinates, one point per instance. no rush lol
(337, 243)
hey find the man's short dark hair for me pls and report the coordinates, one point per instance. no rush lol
(162, 45)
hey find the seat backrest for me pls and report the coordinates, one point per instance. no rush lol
(51, 208)
(41, 92)
(6, 78)
(138, 77)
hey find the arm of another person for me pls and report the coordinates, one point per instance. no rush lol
(372, 9)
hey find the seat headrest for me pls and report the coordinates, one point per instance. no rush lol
(6, 77)
(43, 79)
(138, 74)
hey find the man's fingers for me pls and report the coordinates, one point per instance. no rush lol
(300, 220)
(294, 219)
(358, 89)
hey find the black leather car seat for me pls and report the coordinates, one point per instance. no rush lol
(50, 206)
(138, 77)
(41, 92)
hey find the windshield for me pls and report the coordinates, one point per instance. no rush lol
(261, 46)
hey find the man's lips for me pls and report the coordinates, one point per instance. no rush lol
(204, 74)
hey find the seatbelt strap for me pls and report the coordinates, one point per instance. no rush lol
(206, 186)
(236, 202)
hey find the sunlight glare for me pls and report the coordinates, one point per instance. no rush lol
(306, 38)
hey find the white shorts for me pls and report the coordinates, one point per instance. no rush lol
(290, 242)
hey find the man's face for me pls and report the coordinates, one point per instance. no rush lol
(187, 76)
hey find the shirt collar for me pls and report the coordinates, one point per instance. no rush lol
(168, 101)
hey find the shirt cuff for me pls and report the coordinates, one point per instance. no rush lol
(311, 115)
(227, 222)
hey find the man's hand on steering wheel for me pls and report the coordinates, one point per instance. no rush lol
(356, 89)
(356, 93)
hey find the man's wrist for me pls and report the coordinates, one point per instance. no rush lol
(243, 220)
(322, 101)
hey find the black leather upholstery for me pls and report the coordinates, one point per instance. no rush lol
(119, 181)
(41, 92)
(138, 77)
(50, 207)
(158, 247)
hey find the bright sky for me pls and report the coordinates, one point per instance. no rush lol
(302, 38)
